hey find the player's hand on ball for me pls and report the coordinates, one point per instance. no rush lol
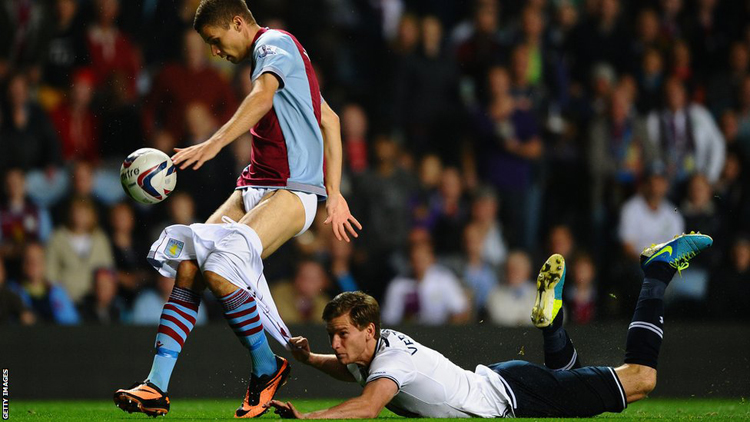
(285, 410)
(340, 218)
(195, 155)
(300, 349)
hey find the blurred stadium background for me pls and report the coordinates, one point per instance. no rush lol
(479, 137)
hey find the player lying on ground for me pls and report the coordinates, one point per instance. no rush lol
(294, 130)
(411, 379)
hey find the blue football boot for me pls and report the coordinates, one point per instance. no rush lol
(677, 252)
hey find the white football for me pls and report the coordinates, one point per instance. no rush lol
(148, 175)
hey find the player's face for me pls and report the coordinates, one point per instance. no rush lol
(227, 43)
(348, 342)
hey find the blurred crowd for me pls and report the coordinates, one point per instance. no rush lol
(479, 137)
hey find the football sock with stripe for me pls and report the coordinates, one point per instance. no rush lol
(646, 330)
(559, 353)
(176, 323)
(241, 312)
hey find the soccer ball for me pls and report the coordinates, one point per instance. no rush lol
(148, 175)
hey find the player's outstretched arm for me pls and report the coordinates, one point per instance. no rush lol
(249, 113)
(339, 216)
(375, 396)
(328, 364)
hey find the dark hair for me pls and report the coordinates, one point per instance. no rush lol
(220, 13)
(362, 308)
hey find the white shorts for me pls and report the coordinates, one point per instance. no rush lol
(252, 195)
(231, 250)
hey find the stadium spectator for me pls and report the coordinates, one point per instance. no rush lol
(24, 33)
(731, 283)
(484, 216)
(743, 110)
(354, 127)
(29, 139)
(129, 249)
(581, 296)
(724, 85)
(508, 303)
(83, 181)
(650, 76)
(214, 181)
(179, 85)
(648, 216)
(103, 306)
(427, 96)
(686, 137)
(65, 52)
(618, 151)
(381, 204)
(75, 122)
(21, 221)
(180, 210)
(478, 274)
(12, 308)
(149, 302)
(429, 172)
(77, 249)
(481, 50)
(600, 38)
(49, 300)
(302, 300)
(733, 191)
(701, 214)
(430, 295)
(345, 272)
(647, 37)
(113, 56)
(561, 241)
(509, 147)
(449, 211)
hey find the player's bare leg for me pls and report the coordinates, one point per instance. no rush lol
(659, 263)
(637, 381)
(177, 321)
(278, 216)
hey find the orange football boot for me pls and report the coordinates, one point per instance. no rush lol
(262, 389)
(143, 397)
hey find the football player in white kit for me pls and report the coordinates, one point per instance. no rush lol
(413, 380)
(296, 138)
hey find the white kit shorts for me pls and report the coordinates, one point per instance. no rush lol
(231, 250)
(251, 196)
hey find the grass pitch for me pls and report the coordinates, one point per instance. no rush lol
(204, 410)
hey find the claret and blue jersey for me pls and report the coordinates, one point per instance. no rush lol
(287, 142)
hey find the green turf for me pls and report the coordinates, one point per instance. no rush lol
(202, 410)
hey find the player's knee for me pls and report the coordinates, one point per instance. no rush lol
(646, 382)
(649, 382)
(188, 276)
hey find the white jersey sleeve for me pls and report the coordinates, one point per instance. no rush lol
(394, 364)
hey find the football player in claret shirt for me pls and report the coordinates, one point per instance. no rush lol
(413, 380)
(294, 133)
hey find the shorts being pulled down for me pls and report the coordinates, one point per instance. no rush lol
(231, 250)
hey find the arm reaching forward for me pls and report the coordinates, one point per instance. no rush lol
(375, 396)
